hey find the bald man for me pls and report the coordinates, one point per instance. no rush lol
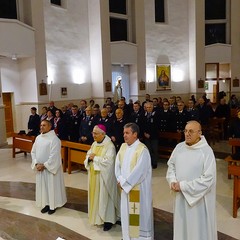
(191, 175)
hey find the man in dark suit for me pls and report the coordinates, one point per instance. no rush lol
(150, 132)
(33, 123)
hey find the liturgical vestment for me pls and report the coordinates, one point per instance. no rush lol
(50, 188)
(194, 167)
(103, 195)
(129, 177)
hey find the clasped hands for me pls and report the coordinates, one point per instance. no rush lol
(91, 157)
(40, 167)
(175, 186)
(119, 185)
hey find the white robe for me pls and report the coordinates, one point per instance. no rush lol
(141, 174)
(194, 211)
(50, 188)
(106, 194)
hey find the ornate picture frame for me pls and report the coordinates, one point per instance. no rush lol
(163, 77)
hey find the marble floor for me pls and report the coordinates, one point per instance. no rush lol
(20, 217)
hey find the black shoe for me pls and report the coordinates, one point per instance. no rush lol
(154, 166)
(50, 212)
(118, 222)
(45, 209)
(107, 226)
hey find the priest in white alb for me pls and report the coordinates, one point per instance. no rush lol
(47, 162)
(191, 175)
(103, 194)
(133, 171)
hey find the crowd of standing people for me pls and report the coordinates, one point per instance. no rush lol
(123, 152)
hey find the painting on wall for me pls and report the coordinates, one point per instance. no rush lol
(163, 76)
(63, 92)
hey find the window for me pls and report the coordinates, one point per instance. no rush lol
(118, 6)
(118, 29)
(56, 2)
(159, 11)
(8, 9)
(217, 18)
(215, 9)
(120, 20)
(215, 33)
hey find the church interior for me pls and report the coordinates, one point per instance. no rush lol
(68, 50)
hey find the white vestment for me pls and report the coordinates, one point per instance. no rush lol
(142, 175)
(194, 167)
(103, 194)
(50, 188)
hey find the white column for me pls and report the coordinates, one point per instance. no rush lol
(3, 139)
(99, 39)
(196, 44)
(235, 35)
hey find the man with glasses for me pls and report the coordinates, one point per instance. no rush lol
(103, 195)
(191, 175)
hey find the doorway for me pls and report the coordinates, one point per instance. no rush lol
(217, 81)
(7, 101)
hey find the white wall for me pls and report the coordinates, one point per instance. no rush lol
(170, 39)
(10, 78)
(67, 46)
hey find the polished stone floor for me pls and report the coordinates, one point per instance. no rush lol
(22, 220)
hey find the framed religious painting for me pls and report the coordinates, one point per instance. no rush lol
(163, 77)
(64, 92)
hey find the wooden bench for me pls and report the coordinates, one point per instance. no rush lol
(235, 171)
(73, 153)
(234, 142)
(22, 142)
(64, 154)
(167, 142)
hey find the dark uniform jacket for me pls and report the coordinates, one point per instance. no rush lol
(151, 124)
(73, 127)
(86, 128)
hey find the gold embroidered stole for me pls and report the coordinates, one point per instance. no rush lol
(134, 194)
(94, 184)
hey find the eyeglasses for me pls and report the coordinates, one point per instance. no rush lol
(95, 133)
(191, 132)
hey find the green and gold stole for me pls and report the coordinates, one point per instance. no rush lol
(134, 194)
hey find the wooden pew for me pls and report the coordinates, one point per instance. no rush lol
(235, 171)
(167, 142)
(76, 153)
(23, 143)
(64, 154)
(234, 142)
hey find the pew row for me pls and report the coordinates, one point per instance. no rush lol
(235, 171)
(167, 142)
(234, 143)
(22, 144)
(73, 153)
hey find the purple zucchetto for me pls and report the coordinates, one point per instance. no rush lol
(102, 127)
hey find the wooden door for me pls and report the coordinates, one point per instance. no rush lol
(7, 101)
